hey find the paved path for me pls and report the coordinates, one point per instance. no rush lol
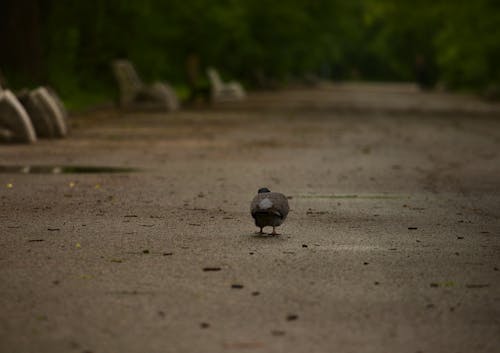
(392, 244)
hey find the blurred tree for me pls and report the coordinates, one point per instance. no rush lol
(70, 43)
(20, 40)
(469, 43)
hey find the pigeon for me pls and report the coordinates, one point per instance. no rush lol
(269, 209)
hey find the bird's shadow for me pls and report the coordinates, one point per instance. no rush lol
(266, 236)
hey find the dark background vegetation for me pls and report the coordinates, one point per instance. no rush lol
(69, 43)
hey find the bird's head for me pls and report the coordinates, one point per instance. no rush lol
(263, 190)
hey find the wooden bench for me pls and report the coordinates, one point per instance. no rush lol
(134, 94)
(224, 91)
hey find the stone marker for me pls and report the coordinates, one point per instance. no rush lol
(135, 94)
(58, 118)
(45, 112)
(221, 91)
(15, 123)
(38, 113)
(60, 104)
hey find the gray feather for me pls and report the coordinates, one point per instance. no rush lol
(269, 209)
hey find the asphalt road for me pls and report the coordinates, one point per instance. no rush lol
(392, 243)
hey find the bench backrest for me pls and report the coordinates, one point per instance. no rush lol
(214, 78)
(129, 81)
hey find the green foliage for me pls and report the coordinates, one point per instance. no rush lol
(366, 39)
(469, 43)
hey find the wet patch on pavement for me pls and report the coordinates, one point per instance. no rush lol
(62, 169)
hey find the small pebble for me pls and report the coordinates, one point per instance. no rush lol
(145, 251)
(304, 245)
(237, 286)
(255, 293)
(209, 269)
(204, 325)
(291, 317)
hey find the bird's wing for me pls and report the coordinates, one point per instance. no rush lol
(254, 206)
(274, 203)
(281, 204)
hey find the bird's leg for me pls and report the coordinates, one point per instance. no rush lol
(260, 232)
(274, 231)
